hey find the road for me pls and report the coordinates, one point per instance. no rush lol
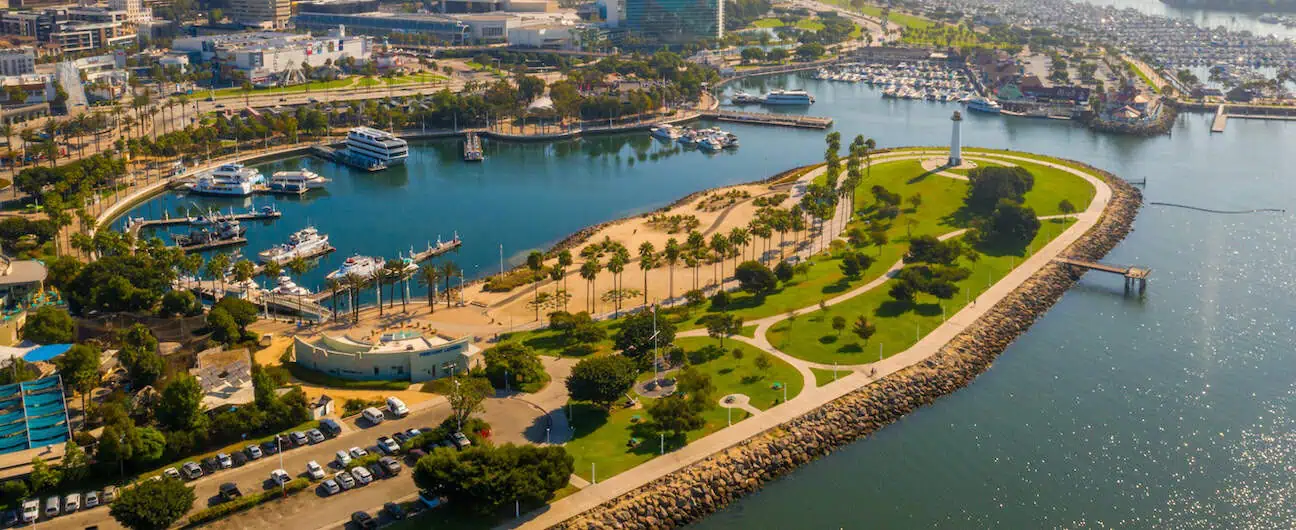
(254, 476)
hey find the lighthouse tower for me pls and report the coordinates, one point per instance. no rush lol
(956, 141)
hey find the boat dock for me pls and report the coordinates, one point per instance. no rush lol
(1249, 112)
(436, 250)
(761, 118)
(472, 148)
(134, 226)
(220, 243)
(305, 306)
(1132, 273)
(1221, 120)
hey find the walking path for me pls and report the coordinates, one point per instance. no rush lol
(739, 401)
(812, 397)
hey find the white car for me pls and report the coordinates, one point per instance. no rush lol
(30, 510)
(279, 477)
(388, 445)
(343, 458)
(345, 480)
(315, 471)
(92, 499)
(225, 461)
(72, 503)
(254, 451)
(171, 472)
(362, 475)
(357, 452)
(331, 486)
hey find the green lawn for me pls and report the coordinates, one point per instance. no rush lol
(748, 331)
(823, 377)
(367, 82)
(809, 24)
(602, 438)
(899, 325)
(313, 85)
(414, 78)
(979, 163)
(768, 23)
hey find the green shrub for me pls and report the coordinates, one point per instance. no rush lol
(247, 501)
(511, 279)
(319, 378)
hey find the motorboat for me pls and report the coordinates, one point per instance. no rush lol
(664, 131)
(362, 266)
(231, 180)
(298, 180)
(222, 230)
(378, 146)
(285, 286)
(303, 243)
(743, 98)
(981, 104)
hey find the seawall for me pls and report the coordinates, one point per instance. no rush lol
(707, 486)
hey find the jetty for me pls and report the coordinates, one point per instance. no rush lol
(134, 225)
(762, 118)
(432, 251)
(1249, 112)
(219, 243)
(472, 151)
(1132, 273)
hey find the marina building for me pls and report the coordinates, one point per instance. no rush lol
(401, 356)
(675, 21)
(267, 56)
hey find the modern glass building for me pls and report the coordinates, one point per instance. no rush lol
(442, 28)
(675, 21)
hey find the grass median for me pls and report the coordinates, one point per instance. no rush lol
(322, 379)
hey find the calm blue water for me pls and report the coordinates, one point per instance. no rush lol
(1171, 411)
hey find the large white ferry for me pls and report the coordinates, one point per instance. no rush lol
(379, 146)
(295, 181)
(304, 243)
(981, 104)
(362, 266)
(788, 97)
(229, 180)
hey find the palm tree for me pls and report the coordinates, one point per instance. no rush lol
(428, 277)
(333, 285)
(448, 270)
(616, 265)
(564, 261)
(671, 255)
(379, 275)
(647, 262)
(558, 274)
(535, 262)
(191, 264)
(216, 269)
(719, 247)
(738, 239)
(589, 271)
(354, 283)
(243, 270)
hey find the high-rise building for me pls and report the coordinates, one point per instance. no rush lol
(675, 21)
(136, 13)
(271, 13)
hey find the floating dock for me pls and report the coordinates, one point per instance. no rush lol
(1221, 120)
(133, 226)
(220, 243)
(436, 250)
(473, 148)
(761, 118)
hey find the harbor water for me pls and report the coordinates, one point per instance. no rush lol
(1172, 410)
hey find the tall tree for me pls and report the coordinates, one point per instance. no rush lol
(153, 504)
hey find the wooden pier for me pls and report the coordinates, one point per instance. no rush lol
(761, 118)
(1133, 274)
(134, 226)
(1221, 119)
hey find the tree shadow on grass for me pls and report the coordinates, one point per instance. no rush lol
(549, 342)
(853, 347)
(999, 248)
(893, 308)
(827, 339)
(838, 286)
(586, 418)
(924, 175)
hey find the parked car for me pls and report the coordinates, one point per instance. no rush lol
(229, 491)
(400, 437)
(364, 520)
(72, 502)
(239, 458)
(342, 458)
(373, 415)
(415, 454)
(413, 432)
(52, 507)
(331, 487)
(30, 510)
(315, 436)
(345, 480)
(91, 499)
(330, 427)
(279, 477)
(191, 470)
(388, 445)
(377, 471)
(315, 470)
(254, 452)
(394, 510)
(362, 475)
(110, 494)
(397, 407)
(225, 461)
(171, 472)
(9, 518)
(390, 465)
(460, 441)
(357, 452)
(298, 438)
(210, 464)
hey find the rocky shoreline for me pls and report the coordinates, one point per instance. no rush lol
(707, 486)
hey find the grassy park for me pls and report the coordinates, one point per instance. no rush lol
(618, 440)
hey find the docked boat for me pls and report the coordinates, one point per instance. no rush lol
(362, 266)
(981, 104)
(731, 141)
(743, 98)
(664, 131)
(285, 286)
(304, 243)
(787, 97)
(472, 151)
(378, 146)
(223, 230)
(231, 180)
(296, 181)
(688, 138)
(711, 143)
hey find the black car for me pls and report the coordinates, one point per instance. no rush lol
(9, 518)
(401, 437)
(377, 471)
(229, 491)
(270, 448)
(210, 464)
(239, 458)
(330, 427)
(394, 510)
(364, 520)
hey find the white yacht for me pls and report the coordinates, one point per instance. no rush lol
(229, 180)
(665, 131)
(303, 243)
(743, 98)
(981, 104)
(299, 180)
(362, 266)
(285, 286)
(376, 145)
(788, 97)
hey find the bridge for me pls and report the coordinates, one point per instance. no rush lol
(1132, 273)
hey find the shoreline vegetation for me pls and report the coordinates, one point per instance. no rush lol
(707, 485)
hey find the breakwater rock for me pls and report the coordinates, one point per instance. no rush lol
(708, 485)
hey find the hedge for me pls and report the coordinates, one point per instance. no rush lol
(322, 379)
(247, 501)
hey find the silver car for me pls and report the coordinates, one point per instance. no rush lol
(345, 480)
(331, 486)
(362, 475)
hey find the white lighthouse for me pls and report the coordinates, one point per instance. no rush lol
(956, 141)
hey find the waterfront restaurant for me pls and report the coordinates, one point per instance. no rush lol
(402, 355)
